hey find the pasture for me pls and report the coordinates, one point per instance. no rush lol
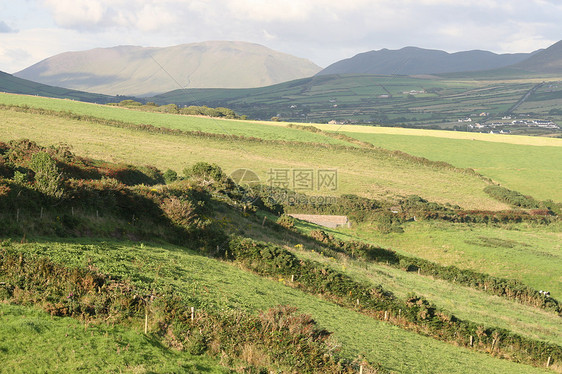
(210, 284)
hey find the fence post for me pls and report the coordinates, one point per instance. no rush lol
(292, 278)
(146, 320)
(361, 369)
(471, 340)
(41, 214)
(548, 361)
(192, 313)
(263, 222)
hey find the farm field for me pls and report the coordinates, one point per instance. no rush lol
(208, 283)
(531, 169)
(529, 253)
(172, 121)
(364, 172)
(425, 101)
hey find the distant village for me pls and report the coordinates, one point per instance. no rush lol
(508, 121)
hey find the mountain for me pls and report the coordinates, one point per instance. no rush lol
(140, 71)
(545, 61)
(415, 61)
(11, 84)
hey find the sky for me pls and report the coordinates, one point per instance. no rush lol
(323, 31)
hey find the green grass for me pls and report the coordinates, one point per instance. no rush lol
(363, 172)
(172, 121)
(209, 283)
(527, 253)
(529, 169)
(464, 302)
(33, 341)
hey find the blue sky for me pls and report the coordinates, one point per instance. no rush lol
(323, 31)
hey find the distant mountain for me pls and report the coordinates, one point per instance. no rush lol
(139, 71)
(416, 61)
(11, 84)
(545, 61)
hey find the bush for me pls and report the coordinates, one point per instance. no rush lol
(170, 176)
(48, 179)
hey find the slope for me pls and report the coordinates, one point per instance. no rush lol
(12, 84)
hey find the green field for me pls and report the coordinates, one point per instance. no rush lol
(34, 341)
(530, 169)
(208, 283)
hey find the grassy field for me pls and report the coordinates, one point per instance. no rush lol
(208, 283)
(518, 251)
(523, 163)
(363, 172)
(33, 341)
(531, 254)
(464, 302)
(172, 121)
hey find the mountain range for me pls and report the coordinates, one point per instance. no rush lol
(416, 61)
(140, 71)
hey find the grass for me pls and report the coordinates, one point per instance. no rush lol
(368, 173)
(531, 168)
(33, 341)
(527, 253)
(464, 302)
(213, 284)
(172, 121)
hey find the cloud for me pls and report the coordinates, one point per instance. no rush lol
(322, 30)
(5, 29)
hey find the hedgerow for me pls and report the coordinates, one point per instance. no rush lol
(415, 313)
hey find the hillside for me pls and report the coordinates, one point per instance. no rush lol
(405, 101)
(122, 234)
(545, 61)
(12, 84)
(139, 71)
(417, 61)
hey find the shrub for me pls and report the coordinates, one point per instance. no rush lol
(48, 179)
(287, 222)
(170, 176)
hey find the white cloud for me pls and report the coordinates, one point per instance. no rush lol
(322, 30)
(77, 14)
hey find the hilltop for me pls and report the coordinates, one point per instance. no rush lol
(140, 71)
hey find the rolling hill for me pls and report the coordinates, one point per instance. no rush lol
(413, 61)
(139, 71)
(11, 84)
(109, 264)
